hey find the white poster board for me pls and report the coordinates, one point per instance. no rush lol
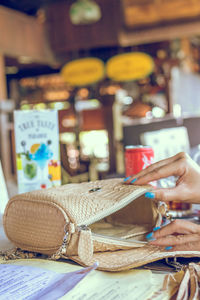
(185, 91)
(3, 192)
(167, 142)
(37, 149)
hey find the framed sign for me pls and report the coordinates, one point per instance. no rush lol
(129, 66)
(83, 71)
(3, 189)
(37, 149)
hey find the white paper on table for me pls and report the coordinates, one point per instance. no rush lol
(128, 285)
(30, 283)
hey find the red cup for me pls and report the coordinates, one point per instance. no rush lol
(137, 158)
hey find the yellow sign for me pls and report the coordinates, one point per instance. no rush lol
(83, 71)
(129, 66)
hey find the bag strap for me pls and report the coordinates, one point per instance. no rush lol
(85, 246)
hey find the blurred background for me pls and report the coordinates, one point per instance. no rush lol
(141, 84)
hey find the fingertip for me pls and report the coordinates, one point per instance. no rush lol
(132, 181)
(127, 178)
(150, 237)
(168, 248)
(150, 195)
(156, 228)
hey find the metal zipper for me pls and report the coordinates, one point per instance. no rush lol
(83, 227)
(62, 250)
(65, 240)
(109, 239)
(122, 241)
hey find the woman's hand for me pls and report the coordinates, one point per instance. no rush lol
(187, 187)
(179, 235)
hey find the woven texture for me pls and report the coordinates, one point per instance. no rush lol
(77, 200)
(34, 226)
(119, 215)
(133, 258)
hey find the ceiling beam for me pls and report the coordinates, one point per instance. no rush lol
(158, 34)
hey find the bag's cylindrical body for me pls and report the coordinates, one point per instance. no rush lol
(137, 158)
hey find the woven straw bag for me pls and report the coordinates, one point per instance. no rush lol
(104, 221)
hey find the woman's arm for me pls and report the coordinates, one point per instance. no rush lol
(179, 234)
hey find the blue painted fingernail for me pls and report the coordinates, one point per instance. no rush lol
(156, 228)
(150, 237)
(168, 248)
(132, 181)
(127, 178)
(149, 195)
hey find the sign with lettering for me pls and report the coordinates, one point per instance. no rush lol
(129, 66)
(84, 71)
(37, 149)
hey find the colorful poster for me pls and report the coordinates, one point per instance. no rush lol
(37, 149)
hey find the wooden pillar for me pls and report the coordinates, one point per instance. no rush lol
(118, 136)
(107, 101)
(3, 86)
(167, 93)
(187, 64)
(5, 107)
(167, 75)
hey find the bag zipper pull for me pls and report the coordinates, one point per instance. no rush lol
(85, 245)
(64, 244)
(62, 250)
(83, 227)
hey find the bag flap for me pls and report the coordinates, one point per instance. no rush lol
(127, 259)
(88, 201)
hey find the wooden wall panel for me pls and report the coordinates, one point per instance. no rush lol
(64, 36)
(92, 120)
(159, 11)
(124, 23)
(159, 33)
(67, 120)
(22, 35)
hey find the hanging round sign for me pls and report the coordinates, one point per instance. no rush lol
(129, 66)
(84, 71)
